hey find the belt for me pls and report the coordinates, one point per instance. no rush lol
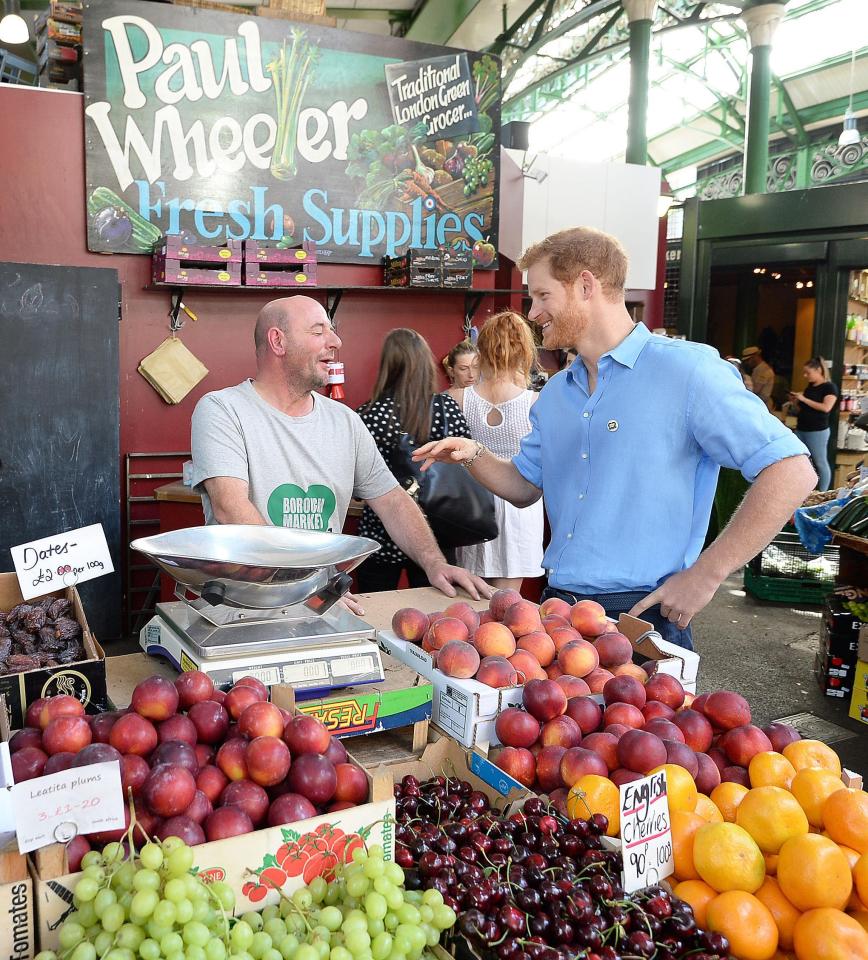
(611, 602)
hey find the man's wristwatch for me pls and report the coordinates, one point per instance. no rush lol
(480, 449)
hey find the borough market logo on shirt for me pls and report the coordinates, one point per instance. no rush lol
(311, 509)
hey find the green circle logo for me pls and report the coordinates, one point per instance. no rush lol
(291, 506)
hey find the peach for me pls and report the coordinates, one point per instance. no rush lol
(572, 686)
(540, 645)
(654, 709)
(544, 699)
(617, 730)
(497, 672)
(697, 731)
(727, 710)
(604, 745)
(522, 618)
(486, 617)
(735, 774)
(517, 728)
(428, 643)
(578, 658)
(708, 776)
(649, 666)
(527, 666)
(560, 732)
(577, 761)
(494, 640)
(554, 606)
(553, 671)
(688, 700)
(597, 679)
(699, 702)
(562, 636)
(554, 622)
(586, 712)
(621, 776)
(548, 768)
(462, 610)
(410, 624)
(449, 628)
(624, 690)
(742, 744)
(589, 618)
(60, 705)
(519, 763)
(665, 729)
(614, 649)
(781, 734)
(665, 689)
(624, 713)
(458, 659)
(718, 757)
(501, 601)
(641, 751)
(261, 719)
(630, 669)
(681, 755)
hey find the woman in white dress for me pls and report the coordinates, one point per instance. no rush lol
(497, 411)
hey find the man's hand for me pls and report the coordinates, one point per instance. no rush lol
(351, 602)
(681, 597)
(442, 575)
(450, 450)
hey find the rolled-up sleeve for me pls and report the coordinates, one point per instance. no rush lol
(528, 460)
(732, 426)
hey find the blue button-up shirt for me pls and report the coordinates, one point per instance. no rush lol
(629, 471)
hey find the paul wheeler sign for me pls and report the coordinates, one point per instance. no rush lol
(222, 127)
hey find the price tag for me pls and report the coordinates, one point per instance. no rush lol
(64, 560)
(646, 835)
(55, 808)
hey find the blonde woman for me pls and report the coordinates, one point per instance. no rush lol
(497, 411)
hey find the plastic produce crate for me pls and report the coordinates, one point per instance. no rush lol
(786, 573)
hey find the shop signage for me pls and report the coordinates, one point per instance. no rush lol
(62, 560)
(646, 832)
(225, 127)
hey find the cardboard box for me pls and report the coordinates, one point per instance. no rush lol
(291, 275)
(189, 273)
(84, 679)
(844, 645)
(175, 247)
(256, 252)
(457, 279)
(467, 710)
(18, 931)
(859, 696)
(238, 861)
(834, 675)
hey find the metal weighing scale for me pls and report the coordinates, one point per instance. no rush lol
(265, 605)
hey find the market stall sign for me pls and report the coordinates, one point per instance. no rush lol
(646, 832)
(63, 560)
(57, 807)
(224, 127)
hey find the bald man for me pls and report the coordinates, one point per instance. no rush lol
(274, 451)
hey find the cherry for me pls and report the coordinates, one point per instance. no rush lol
(601, 887)
(403, 857)
(512, 918)
(534, 807)
(717, 944)
(539, 925)
(588, 936)
(548, 824)
(640, 943)
(658, 907)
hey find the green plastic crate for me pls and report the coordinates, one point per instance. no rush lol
(786, 589)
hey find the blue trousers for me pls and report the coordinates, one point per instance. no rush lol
(817, 442)
(615, 603)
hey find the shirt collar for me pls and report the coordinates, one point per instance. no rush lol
(627, 351)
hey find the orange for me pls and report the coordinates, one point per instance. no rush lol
(746, 922)
(726, 797)
(860, 877)
(727, 858)
(771, 815)
(845, 817)
(812, 787)
(680, 787)
(706, 809)
(698, 894)
(595, 794)
(771, 860)
(854, 903)
(684, 826)
(784, 913)
(827, 934)
(812, 753)
(770, 769)
(862, 917)
(813, 872)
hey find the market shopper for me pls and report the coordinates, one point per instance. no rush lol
(462, 364)
(273, 450)
(626, 444)
(814, 406)
(762, 377)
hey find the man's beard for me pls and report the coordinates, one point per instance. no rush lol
(569, 325)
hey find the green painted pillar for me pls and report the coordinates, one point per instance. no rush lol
(761, 21)
(640, 14)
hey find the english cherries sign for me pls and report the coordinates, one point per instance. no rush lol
(224, 127)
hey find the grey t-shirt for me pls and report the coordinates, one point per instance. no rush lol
(301, 471)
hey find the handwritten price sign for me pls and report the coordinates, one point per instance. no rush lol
(646, 834)
(64, 560)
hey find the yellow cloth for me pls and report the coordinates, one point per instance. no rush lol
(172, 370)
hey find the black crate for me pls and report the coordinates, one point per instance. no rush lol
(786, 558)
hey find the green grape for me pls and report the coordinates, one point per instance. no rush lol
(96, 872)
(196, 890)
(306, 952)
(394, 898)
(86, 889)
(409, 914)
(70, 935)
(194, 952)
(322, 948)
(375, 926)
(156, 931)
(432, 936)
(381, 946)
(112, 852)
(176, 955)
(391, 922)
(93, 858)
(432, 897)
(130, 936)
(143, 905)
(196, 933)
(214, 950)
(149, 949)
(394, 874)
(183, 911)
(86, 914)
(46, 955)
(340, 953)
(112, 918)
(205, 913)
(333, 894)
(124, 876)
(261, 943)
(302, 899)
(103, 900)
(330, 917)
(103, 941)
(357, 941)
(413, 896)
(317, 888)
(321, 931)
(170, 844)
(374, 868)
(241, 935)
(356, 886)
(225, 896)
(444, 917)
(179, 861)
(426, 913)
(171, 943)
(151, 856)
(119, 953)
(375, 903)
(146, 880)
(175, 890)
(271, 954)
(165, 912)
(274, 927)
(287, 946)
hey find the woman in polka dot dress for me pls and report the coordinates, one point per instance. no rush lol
(405, 400)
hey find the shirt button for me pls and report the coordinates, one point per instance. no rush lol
(569, 536)
(581, 496)
(584, 456)
(586, 414)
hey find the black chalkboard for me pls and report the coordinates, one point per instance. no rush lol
(59, 404)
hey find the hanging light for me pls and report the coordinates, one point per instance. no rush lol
(13, 29)
(850, 134)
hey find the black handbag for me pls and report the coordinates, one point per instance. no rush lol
(458, 508)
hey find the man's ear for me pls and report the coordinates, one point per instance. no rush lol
(276, 341)
(585, 284)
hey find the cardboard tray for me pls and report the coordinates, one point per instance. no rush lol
(84, 679)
